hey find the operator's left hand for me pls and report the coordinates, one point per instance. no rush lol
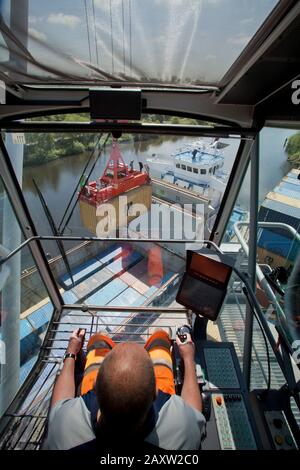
(76, 341)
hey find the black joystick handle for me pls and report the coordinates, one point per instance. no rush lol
(206, 405)
(182, 333)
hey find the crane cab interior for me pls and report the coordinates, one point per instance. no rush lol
(220, 255)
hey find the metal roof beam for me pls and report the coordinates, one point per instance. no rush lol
(135, 128)
(200, 105)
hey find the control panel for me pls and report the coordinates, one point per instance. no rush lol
(232, 422)
(275, 420)
(280, 430)
(230, 425)
(220, 368)
(235, 418)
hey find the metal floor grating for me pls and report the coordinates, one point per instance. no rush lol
(26, 425)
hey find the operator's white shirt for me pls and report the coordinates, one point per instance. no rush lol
(178, 426)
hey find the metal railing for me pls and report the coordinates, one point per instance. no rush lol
(281, 322)
(260, 275)
(29, 240)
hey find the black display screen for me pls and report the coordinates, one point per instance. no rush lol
(202, 266)
(115, 104)
(204, 285)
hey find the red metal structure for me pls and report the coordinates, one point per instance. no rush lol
(117, 178)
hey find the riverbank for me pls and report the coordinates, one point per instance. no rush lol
(36, 155)
(42, 147)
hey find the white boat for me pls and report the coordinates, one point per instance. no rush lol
(196, 167)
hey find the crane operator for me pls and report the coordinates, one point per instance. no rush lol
(127, 393)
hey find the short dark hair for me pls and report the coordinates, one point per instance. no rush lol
(125, 388)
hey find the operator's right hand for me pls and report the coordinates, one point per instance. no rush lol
(186, 349)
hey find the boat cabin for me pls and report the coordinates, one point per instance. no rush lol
(197, 166)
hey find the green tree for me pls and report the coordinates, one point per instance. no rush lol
(293, 149)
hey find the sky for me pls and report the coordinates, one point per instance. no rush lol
(155, 39)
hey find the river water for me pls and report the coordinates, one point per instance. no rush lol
(57, 180)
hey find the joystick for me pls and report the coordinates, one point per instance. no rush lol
(206, 405)
(182, 333)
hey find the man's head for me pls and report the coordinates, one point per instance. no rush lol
(125, 388)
